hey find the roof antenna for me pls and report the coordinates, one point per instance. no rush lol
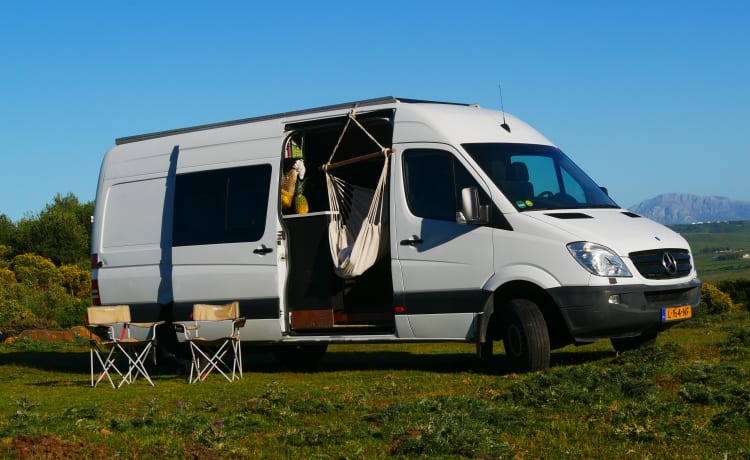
(503, 125)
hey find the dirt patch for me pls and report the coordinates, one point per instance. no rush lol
(50, 335)
(51, 447)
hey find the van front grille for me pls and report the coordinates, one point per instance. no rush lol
(659, 264)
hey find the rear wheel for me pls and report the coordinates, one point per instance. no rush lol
(525, 336)
(300, 357)
(647, 339)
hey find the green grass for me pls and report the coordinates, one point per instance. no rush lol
(689, 397)
(704, 239)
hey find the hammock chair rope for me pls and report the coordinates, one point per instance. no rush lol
(355, 231)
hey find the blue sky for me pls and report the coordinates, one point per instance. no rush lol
(648, 97)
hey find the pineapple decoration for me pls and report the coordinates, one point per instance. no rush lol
(288, 187)
(300, 202)
(292, 184)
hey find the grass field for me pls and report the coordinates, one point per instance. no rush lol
(688, 397)
(713, 242)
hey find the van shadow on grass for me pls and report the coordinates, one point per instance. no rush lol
(341, 361)
(76, 364)
(71, 367)
(53, 361)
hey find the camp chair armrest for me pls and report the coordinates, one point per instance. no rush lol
(149, 324)
(104, 331)
(101, 325)
(207, 330)
(239, 322)
(186, 330)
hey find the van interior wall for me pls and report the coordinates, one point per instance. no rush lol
(366, 299)
(318, 146)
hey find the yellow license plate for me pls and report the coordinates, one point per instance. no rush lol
(675, 313)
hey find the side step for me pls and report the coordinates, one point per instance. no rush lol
(303, 320)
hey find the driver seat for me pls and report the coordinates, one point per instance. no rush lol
(517, 186)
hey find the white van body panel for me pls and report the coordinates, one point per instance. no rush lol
(455, 125)
(446, 326)
(625, 234)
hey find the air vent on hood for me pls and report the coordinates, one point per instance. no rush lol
(569, 215)
(631, 214)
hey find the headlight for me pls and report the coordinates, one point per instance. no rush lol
(597, 259)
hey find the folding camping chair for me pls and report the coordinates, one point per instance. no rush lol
(213, 334)
(119, 338)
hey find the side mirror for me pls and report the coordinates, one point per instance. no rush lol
(604, 189)
(471, 211)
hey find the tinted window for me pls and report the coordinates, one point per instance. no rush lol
(429, 184)
(221, 206)
(433, 180)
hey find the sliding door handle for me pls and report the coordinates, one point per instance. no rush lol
(413, 241)
(262, 250)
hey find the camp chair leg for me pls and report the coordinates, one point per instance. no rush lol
(238, 358)
(106, 365)
(212, 361)
(136, 363)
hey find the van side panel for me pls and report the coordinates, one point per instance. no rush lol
(129, 250)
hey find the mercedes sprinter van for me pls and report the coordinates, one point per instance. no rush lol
(384, 220)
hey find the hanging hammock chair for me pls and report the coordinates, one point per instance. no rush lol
(357, 231)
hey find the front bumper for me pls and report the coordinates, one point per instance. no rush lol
(589, 314)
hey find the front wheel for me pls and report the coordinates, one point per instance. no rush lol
(525, 336)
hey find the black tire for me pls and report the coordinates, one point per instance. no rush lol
(525, 336)
(300, 357)
(620, 344)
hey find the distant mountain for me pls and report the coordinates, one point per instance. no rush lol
(683, 208)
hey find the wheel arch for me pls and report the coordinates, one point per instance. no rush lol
(494, 312)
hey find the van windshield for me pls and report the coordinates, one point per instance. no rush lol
(538, 177)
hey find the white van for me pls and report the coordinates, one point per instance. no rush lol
(481, 230)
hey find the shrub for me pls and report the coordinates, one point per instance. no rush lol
(54, 305)
(738, 290)
(14, 316)
(34, 270)
(714, 301)
(7, 277)
(76, 281)
(5, 252)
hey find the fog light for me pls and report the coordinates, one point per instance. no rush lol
(614, 298)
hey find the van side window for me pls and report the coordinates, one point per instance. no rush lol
(433, 181)
(221, 205)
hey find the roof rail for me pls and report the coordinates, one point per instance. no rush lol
(362, 103)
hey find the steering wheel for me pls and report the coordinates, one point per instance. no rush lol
(545, 194)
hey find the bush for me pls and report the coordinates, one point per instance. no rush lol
(738, 290)
(35, 271)
(714, 301)
(35, 294)
(14, 316)
(7, 277)
(76, 281)
(5, 252)
(53, 305)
